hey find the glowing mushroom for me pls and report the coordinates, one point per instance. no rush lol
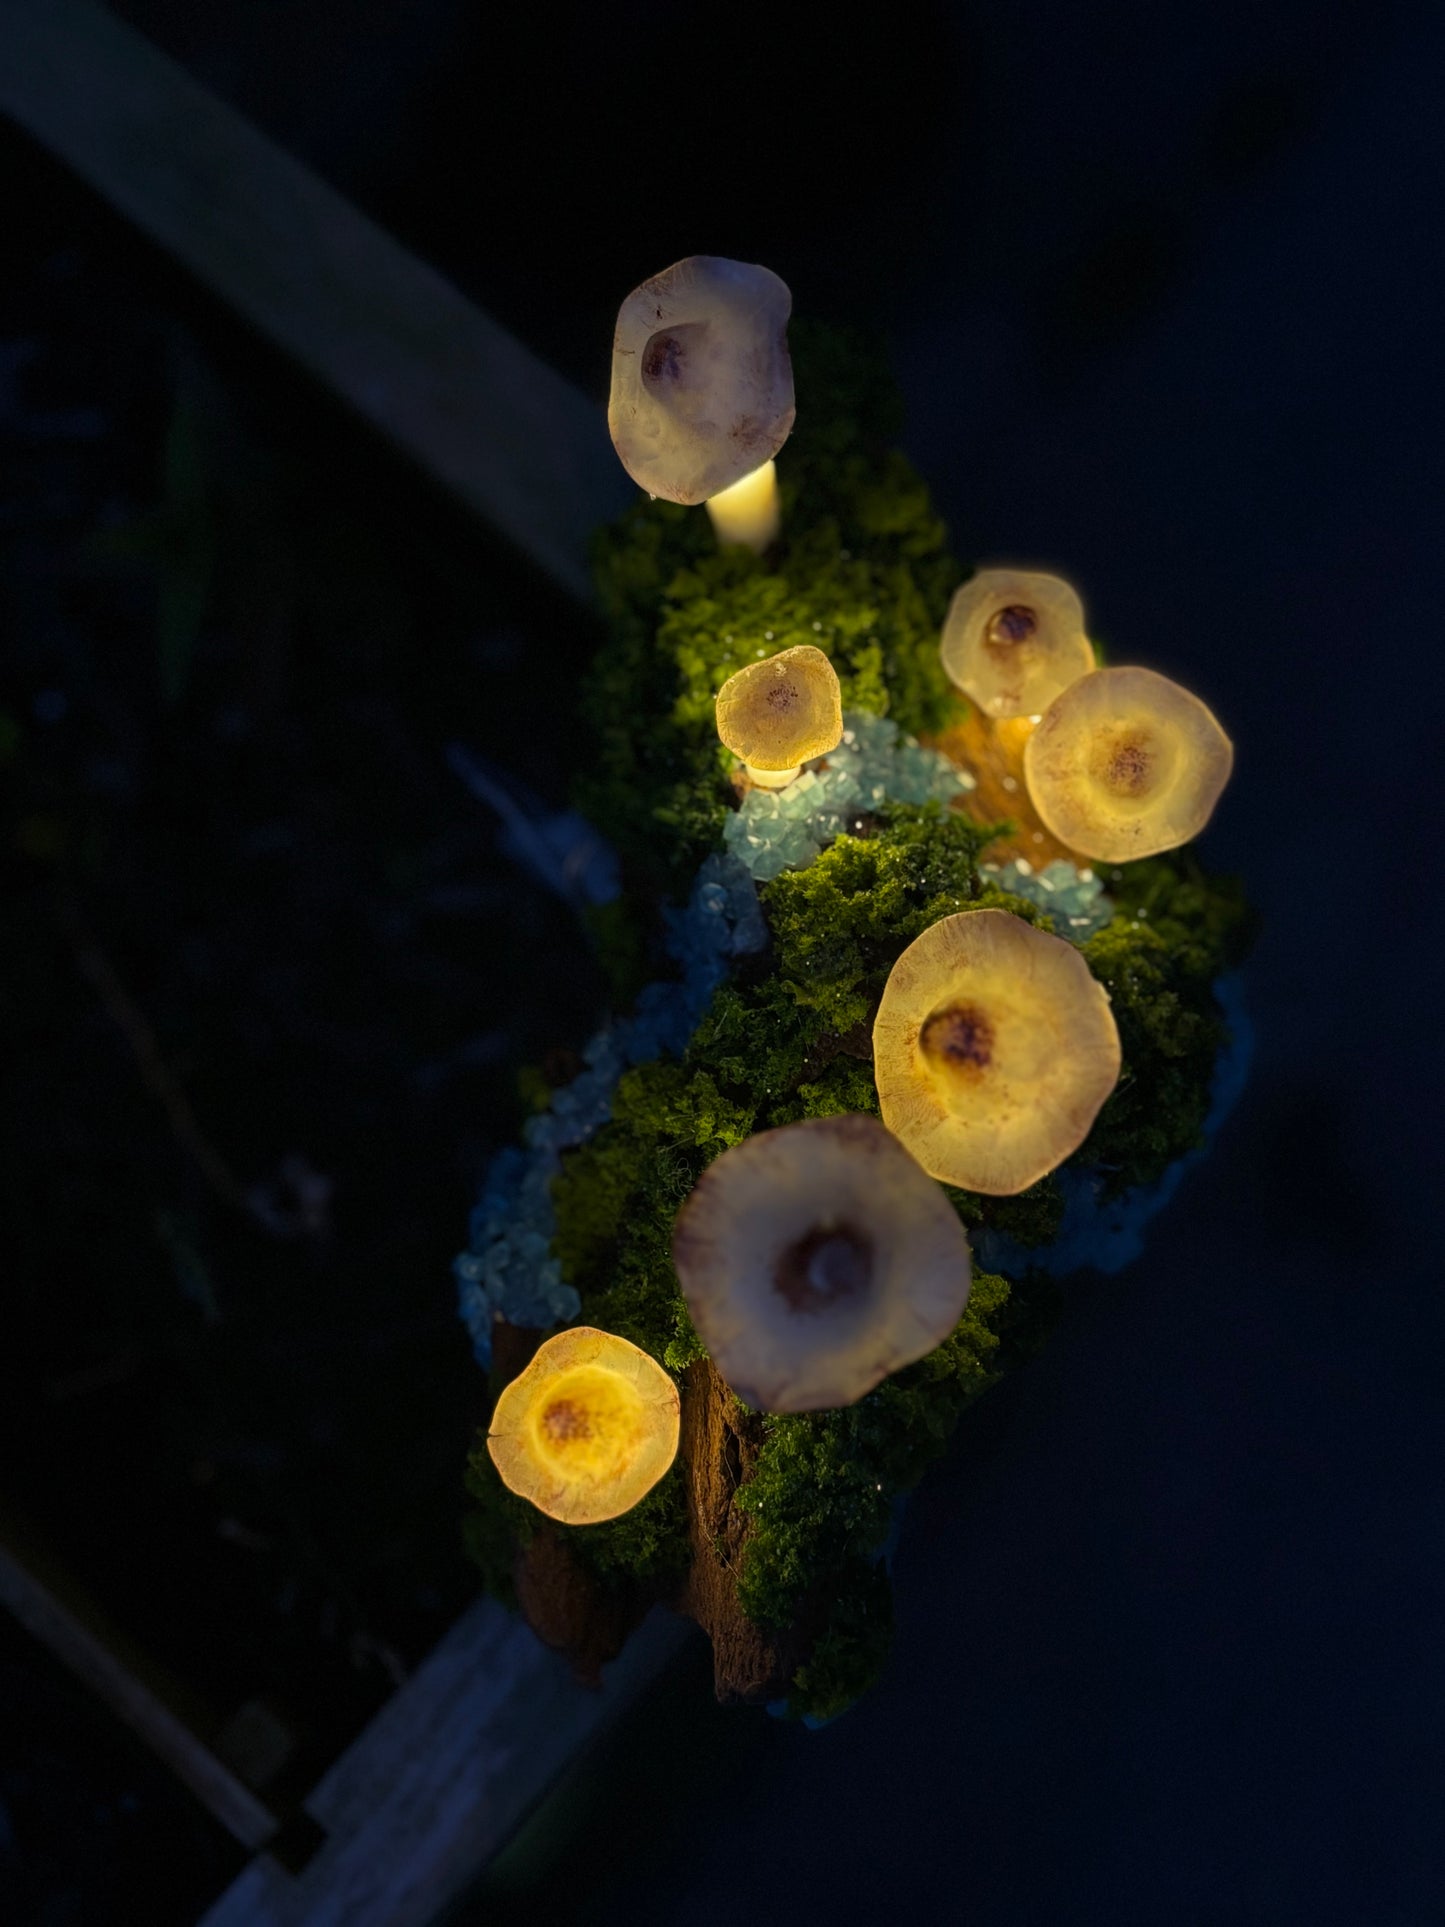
(1013, 639)
(587, 1429)
(779, 713)
(702, 391)
(993, 1049)
(816, 1259)
(1125, 763)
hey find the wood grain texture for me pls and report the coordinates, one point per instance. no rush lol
(417, 1806)
(465, 399)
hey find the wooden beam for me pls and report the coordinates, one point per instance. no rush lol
(50, 1610)
(506, 433)
(415, 1809)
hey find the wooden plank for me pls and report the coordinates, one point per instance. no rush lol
(88, 1648)
(511, 437)
(415, 1809)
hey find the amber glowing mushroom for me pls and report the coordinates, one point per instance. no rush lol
(816, 1259)
(1013, 638)
(779, 713)
(587, 1429)
(1125, 763)
(702, 390)
(993, 1049)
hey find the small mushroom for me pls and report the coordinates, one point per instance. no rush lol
(587, 1429)
(702, 388)
(816, 1259)
(993, 1049)
(1125, 763)
(1013, 639)
(779, 713)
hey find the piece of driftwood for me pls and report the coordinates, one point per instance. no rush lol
(417, 1806)
(466, 400)
(994, 751)
(720, 1444)
(590, 1623)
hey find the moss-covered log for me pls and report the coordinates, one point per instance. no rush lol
(771, 1531)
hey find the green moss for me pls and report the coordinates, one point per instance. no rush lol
(498, 1526)
(647, 1546)
(1174, 933)
(862, 570)
(823, 1490)
(849, 1654)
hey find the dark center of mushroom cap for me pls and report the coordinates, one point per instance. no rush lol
(830, 1264)
(663, 357)
(1010, 625)
(564, 1418)
(784, 695)
(675, 365)
(960, 1038)
(1128, 766)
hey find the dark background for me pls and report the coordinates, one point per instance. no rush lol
(1160, 288)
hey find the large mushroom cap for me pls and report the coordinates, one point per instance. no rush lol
(702, 382)
(780, 712)
(1125, 763)
(993, 1050)
(1014, 638)
(587, 1429)
(816, 1259)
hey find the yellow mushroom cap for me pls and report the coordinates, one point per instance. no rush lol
(1125, 763)
(816, 1259)
(780, 712)
(993, 1049)
(1014, 638)
(702, 383)
(587, 1429)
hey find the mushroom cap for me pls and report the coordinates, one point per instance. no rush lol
(702, 382)
(816, 1259)
(1125, 763)
(587, 1429)
(993, 1049)
(780, 712)
(1013, 639)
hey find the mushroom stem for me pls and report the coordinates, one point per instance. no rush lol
(772, 779)
(747, 515)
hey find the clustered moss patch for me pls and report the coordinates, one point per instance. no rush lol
(1174, 932)
(864, 573)
(823, 1490)
(498, 1526)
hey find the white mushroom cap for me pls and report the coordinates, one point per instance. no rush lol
(816, 1259)
(702, 382)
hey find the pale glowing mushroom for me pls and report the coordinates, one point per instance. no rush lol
(702, 391)
(1013, 639)
(816, 1259)
(1125, 763)
(587, 1429)
(779, 713)
(749, 514)
(993, 1049)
